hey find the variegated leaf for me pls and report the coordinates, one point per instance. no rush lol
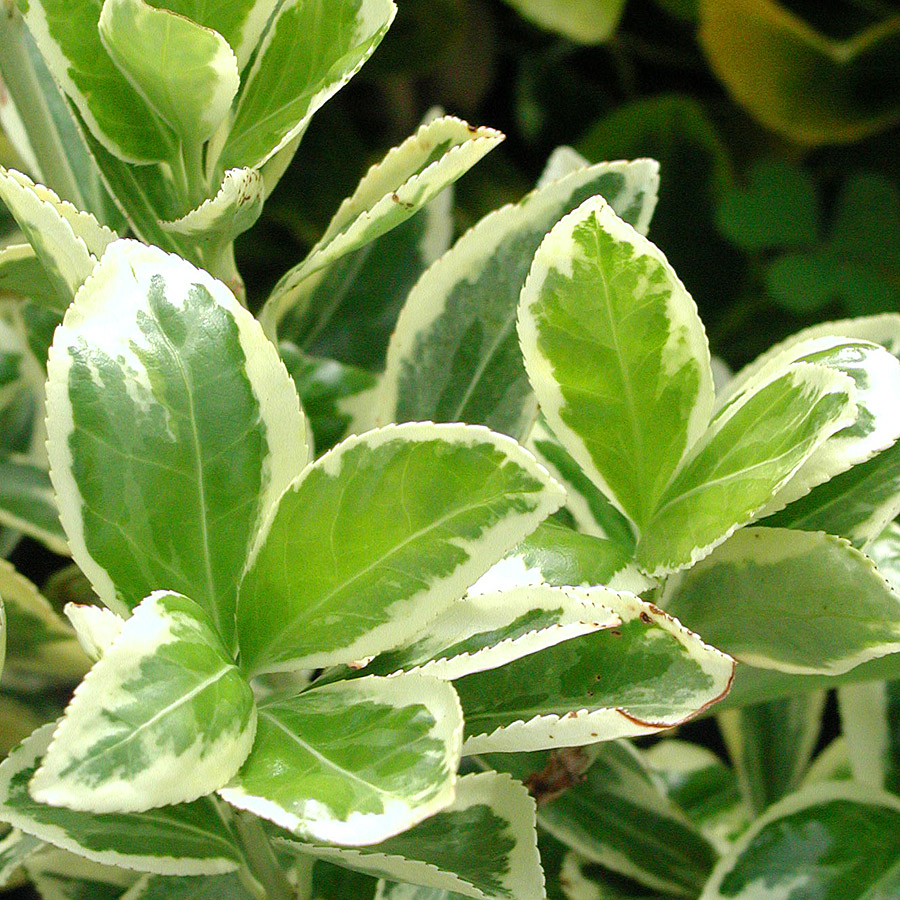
(617, 815)
(240, 22)
(38, 641)
(199, 887)
(117, 115)
(834, 841)
(482, 846)
(413, 173)
(781, 599)
(60, 875)
(47, 125)
(353, 762)
(486, 630)
(771, 744)
(581, 879)
(751, 449)
(466, 496)
(832, 764)
(703, 786)
(354, 303)
(876, 377)
(327, 392)
(15, 848)
(454, 355)
(66, 241)
(555, 555)
(881, 329)
(189, 839)
(187, 73)
(310, 51)
(593, 513)
(96, 628)
(645, 675)
(161, 382)
(22, 274)
(163, 717)
(220, 219)
(616, 354)
(27, 503)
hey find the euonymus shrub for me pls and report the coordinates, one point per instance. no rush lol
(300, 636)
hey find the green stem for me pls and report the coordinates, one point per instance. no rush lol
(197, 187)
(21, 79)
(263, 865)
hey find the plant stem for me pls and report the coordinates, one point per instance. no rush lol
(263, 864)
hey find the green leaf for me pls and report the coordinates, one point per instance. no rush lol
(38, 641)
(619, 816)
(154, 492)
(354, 762)
(354, 304)
(584, 21)
(482, 846)
(555, 555)
(189, 839)
(163, 717)
(22, 273)
(832, 764)
(868, 721)
(240, 22)
(187, 73)
(778, 208)
(594, 514)
(67, 242)
(701, 785)
(876, 377)
(646, 675)
(835, 841)
(781, 599)
(488, 629)
(626, 397)
(751, 450)
(325, 386)
(454, 355)
(220, 219)
(771, 744)
(466, 495)
(59, 875)
(27, 503)
(439, 153)
(807, 86)
(580, 879)
(204, 887)
(15, 848)
(308, 54)
(116, 114)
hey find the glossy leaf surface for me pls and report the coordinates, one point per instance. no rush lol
(154, 492)
(163, 717)
(353, 762)
(466, 496)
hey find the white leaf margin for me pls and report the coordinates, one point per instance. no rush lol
(508, 800)
(204, 766)
(555, 254)
(24, 756)
(579, 727)
(412, 613)
(474, 251)
(806, 798)
(359, 828)
(98, 317)
(581, 611)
